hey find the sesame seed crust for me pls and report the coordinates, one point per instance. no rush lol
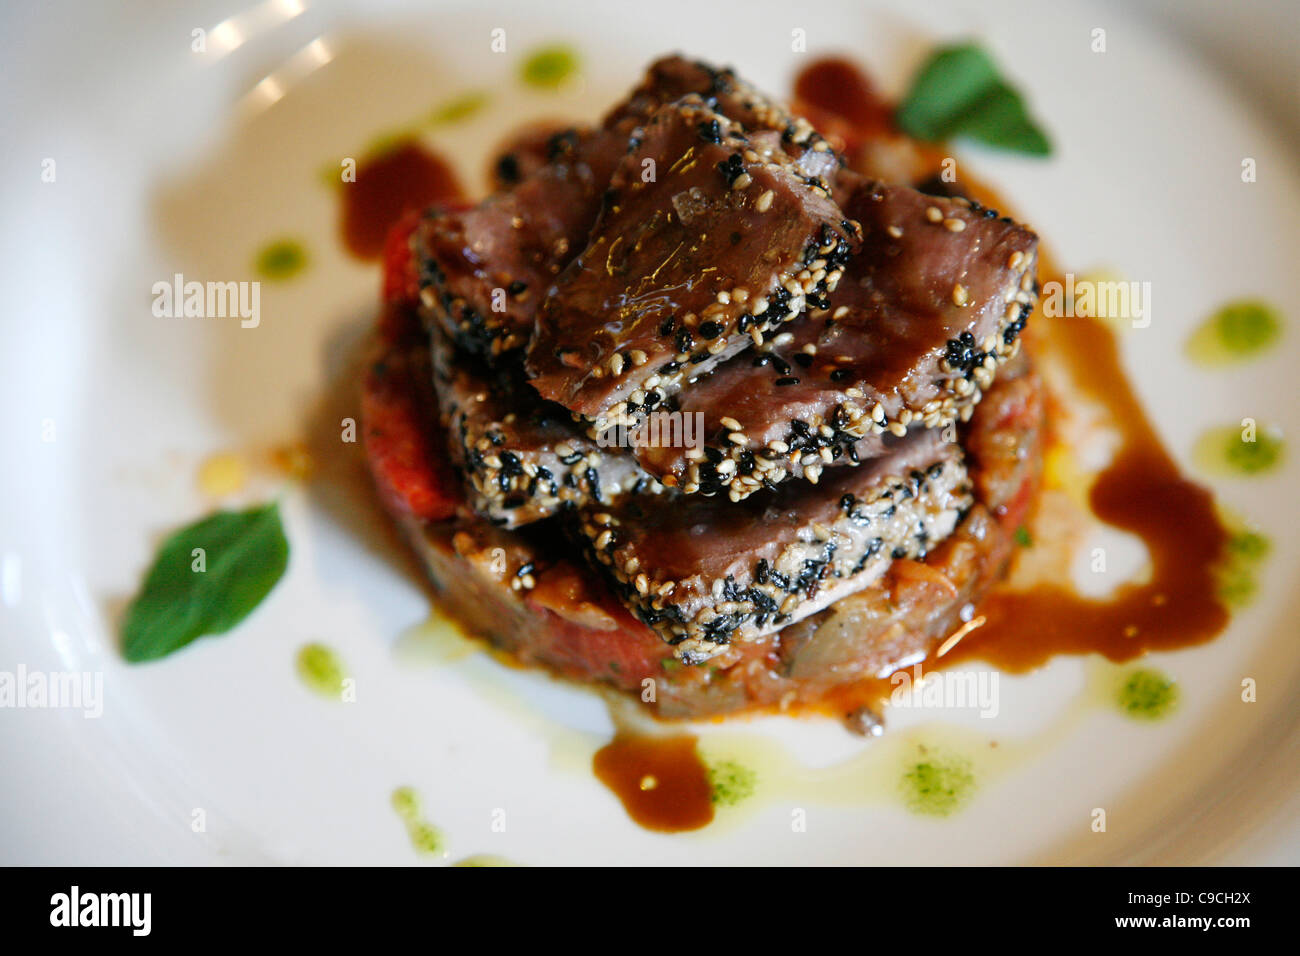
(787, 554)
(685, 267)
(521, 458)
(835, 389)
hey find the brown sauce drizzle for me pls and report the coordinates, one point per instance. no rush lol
(662, 782)
(838, 86)
(388, 185)
(1141, 491)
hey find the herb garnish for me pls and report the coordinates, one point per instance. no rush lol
(959, 92)
(206, 579)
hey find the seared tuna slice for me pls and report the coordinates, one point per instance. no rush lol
(927, 311)
(705, 573)
(673, 77)
(706, 238)
(486, 269)
(522, 458)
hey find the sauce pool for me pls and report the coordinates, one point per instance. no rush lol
(662, 782)
(396, 181)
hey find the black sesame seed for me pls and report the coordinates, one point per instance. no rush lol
(787, 380)
(709, 331)
(732, 168)
(508, 169)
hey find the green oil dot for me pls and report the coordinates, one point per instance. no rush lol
(424, 836)
(322, 670)
(459, 109)
(548, 67)
(1238, 573)
(407, 803)
(1229, 451)
(1237, 332)
(483, 859)
(281, 259)
(937, 784)
(1147, 695)
(730, 782)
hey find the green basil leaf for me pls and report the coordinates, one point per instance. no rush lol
(206, 579)
(959, 92)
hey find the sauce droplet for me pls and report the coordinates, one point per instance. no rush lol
(1239, 573)
(458, 109)
(730, 782)
(681, 797)
(1238, 452)
(548, 67)
(322, 670)
(483, 859)
(280, 260)
(1238, 332)
(1147, 694)
(222, 474)
(937, 784)
(838, 86)
(404, 177)
(424, 836)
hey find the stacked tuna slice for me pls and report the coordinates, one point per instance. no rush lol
(704, 256)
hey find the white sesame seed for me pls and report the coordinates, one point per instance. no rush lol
(731, 424)
(954, 225)
(933, 214)
(959, 296)
(765, 201)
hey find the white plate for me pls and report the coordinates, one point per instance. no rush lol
(172, 161)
